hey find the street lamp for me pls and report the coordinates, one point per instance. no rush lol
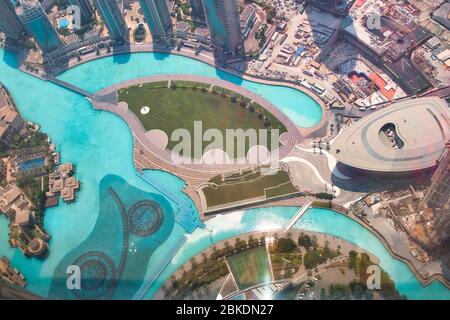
(210, 235)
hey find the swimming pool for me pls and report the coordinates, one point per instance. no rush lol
(63, 23)
(100, 144)
(32, 164)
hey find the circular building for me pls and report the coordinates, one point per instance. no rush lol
(408, 136)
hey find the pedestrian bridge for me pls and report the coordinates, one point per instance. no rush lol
(69, 86)
(298, 215)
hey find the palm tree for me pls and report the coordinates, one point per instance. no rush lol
(251, 241)
(260, 113)
(193, 262)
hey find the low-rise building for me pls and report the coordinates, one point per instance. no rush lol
(10, 274)
(16, 205)
(182, 29)
(247, 19)
(61, 182)
(406, 138)
(441, 15)
(3, 169)
(11, 123)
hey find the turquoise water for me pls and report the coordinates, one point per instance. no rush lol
(319, 220)
(130, 227)
(100, 144)
(63, 23)
(300, 108)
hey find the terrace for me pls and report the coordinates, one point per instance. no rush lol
(246, 187)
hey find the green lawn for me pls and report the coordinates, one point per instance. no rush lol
(179, 107)
(251, 185)
(250, 267)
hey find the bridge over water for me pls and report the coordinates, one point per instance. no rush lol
(69, 86)
(298, 215)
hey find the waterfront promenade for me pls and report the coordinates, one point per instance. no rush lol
(208, 58)
(148, 155)
(193, 195)
(334, 244)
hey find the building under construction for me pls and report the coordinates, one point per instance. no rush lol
(438, 195)
(391, 43)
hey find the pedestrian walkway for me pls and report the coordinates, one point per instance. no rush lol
(69, 86)
(297, 216)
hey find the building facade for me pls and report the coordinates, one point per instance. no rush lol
(438, 195)
(198, 14)
(248, 19)
(10, 23)
(36, 22)
(12, 126)
(222, 17)
(406, 138)
(113, 19)
(16, 206)
(158, 18)
(86, 11)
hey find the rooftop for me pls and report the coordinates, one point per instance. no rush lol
(15, 204)
(3, 102)
(407, 136)
(442, 15)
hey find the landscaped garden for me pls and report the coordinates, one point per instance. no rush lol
(289, 259)
(250, 267)
(286, 258)
(247, 185)
(178, 104)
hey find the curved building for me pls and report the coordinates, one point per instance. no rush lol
(408, 136)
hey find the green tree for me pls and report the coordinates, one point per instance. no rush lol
(285, 245)
(304, 241)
